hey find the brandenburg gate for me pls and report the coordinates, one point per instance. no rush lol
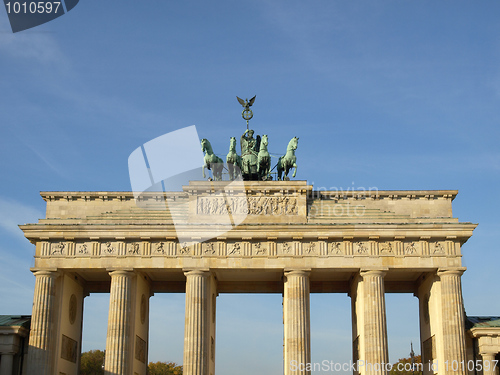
(263, 236)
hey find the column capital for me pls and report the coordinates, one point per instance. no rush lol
(50, 273)
(488, 353)
(373, 272)
(196, 271)
(451, 271)
(297, 272)
(120, 272)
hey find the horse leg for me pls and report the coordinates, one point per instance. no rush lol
(230, 168)
(295, 171)
(219, 171)
(203, 169)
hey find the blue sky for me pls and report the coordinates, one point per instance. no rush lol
(399, 94)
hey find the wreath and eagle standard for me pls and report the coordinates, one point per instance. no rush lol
(254, 163)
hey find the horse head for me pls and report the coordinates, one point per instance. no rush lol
(264, 140)
(205, 144)
(292, 145)
(232, 143)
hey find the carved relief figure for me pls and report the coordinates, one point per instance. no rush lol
(134, 248)
(59, 248)
(410, 248)
(83, 249)
(335, 248)
(286, 247)
(259, 249)
(159, 248)
(235, 249)
(362, 249)
(438, 248)
(184, 248)
(109, 248)
(386, 248)
(292, 207)
(311, 248)
(209, 249)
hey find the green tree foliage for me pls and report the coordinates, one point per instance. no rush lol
(403, 366)
(92, 363)
(164, 368)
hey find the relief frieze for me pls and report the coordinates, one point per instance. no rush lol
(247, 205)
(246, 248)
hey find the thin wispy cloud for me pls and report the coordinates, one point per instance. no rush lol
(34, 46)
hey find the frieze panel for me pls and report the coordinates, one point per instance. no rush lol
(234, 249)
(58, 248)
(185, 249)
(259, 248)
(83, 249)
(284, 248)
(109, 248)
(310, 248)
(386, 248)
(253, 205)
(208, 249)
(361, 248)
(335, 248)
(160, 248)
(438, 249)
(410, 248)
(133, 248)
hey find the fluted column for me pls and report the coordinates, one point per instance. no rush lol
(118, 341)
(375, 324)
(196, 333)
(489, 367)
(296, 318)
(453, 319)
(42, 324)
(6, 363)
